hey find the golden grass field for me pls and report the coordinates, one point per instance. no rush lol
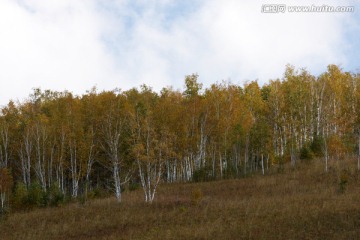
(301, 203)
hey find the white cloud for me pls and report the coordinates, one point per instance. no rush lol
(53, 46)
(74, 45)
(243, 43)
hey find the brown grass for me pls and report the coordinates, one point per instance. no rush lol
(299, 204)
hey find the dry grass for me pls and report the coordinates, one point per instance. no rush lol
(299, 204)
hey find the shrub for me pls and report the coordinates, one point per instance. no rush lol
(306, 153)
(56, 197)
(196, 196)
(317, 146)
(134, 186)
(280, 161)
(230, 172)
(344, 177)
(36, 196)
(20, 195)
(99, 192)
(203, 174)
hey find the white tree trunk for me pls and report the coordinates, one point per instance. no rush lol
(89, 164)
(75, 169)
(358, 157)
(5, 143)
(117, 181)
(325, 150)
(25, 158)
(112, 132)
(40, 139)
(262, 164)
(150, 175)
(3, 198)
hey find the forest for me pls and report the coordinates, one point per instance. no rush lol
(56, 146)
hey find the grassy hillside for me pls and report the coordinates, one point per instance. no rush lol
(304, 203)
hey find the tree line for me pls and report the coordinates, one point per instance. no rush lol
(59, 144)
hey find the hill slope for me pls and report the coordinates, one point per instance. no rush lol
(304, 203)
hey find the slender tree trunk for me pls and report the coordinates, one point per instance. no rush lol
(50, 166)
(213, 163)
(221, 166)
(150, 176)
(40, 139)
(262, 164)
(25, 156)
(246, 157)
(175, 170)
(89, 164)
(117, 182)
(3, 198)
(325, 149)
(76, 169)
(5, 144)
(358, 157)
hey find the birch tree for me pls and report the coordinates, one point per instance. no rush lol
(113, 126)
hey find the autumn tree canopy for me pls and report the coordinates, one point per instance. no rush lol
(110, 139)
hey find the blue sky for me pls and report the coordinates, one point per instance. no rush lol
(75, 45)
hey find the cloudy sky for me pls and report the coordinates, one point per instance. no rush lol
(78, 44)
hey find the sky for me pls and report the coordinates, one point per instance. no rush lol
(75, 45)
